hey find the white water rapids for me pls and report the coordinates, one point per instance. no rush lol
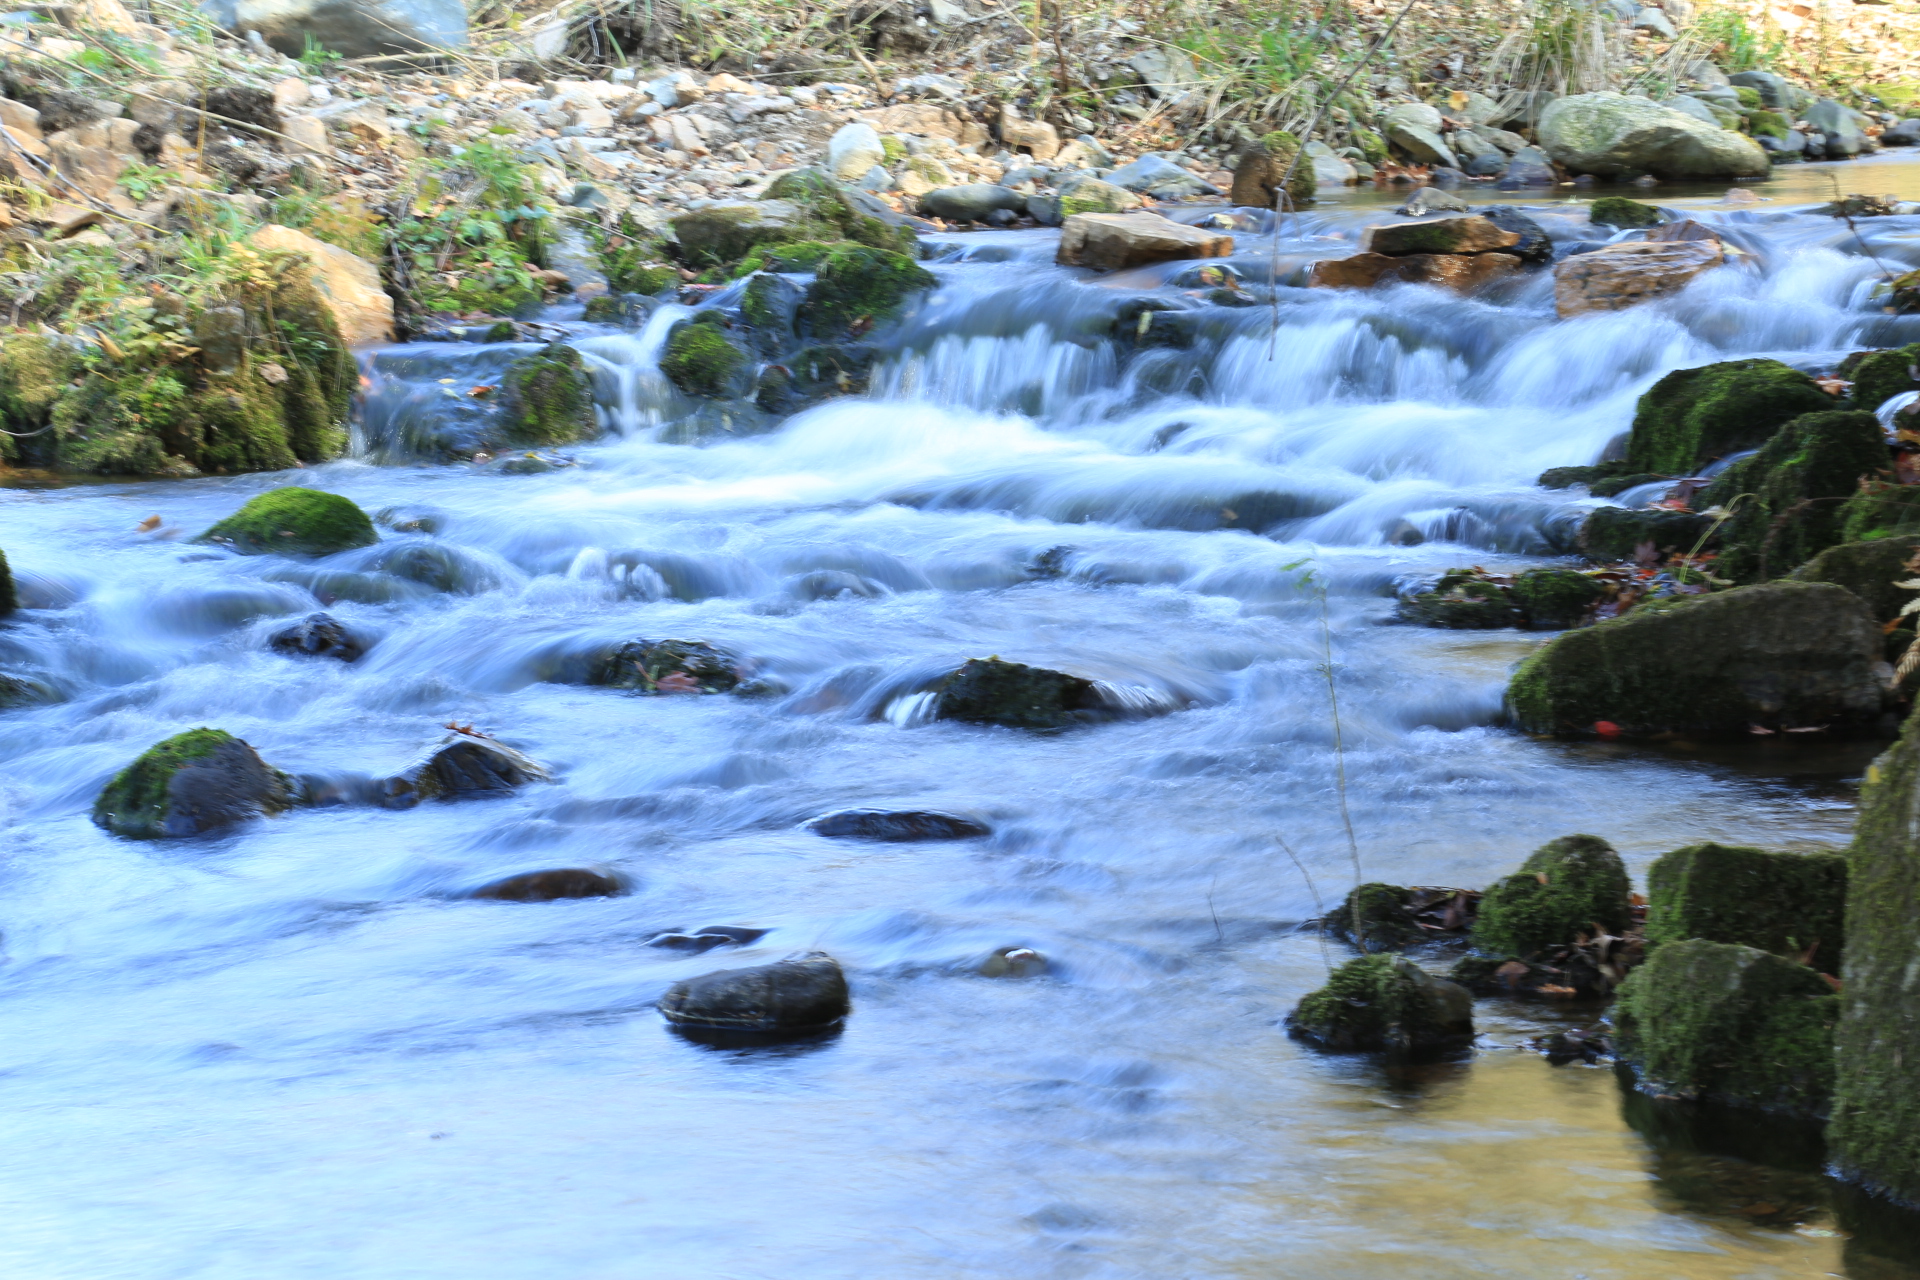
(296, 1051)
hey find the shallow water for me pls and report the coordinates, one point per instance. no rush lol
(295, 1050)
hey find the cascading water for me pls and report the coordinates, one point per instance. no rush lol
(297, 1049)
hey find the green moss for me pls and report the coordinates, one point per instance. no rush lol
(700, 361)
(838, 212)
(1879, 376)
(1386, 918)
(1730, 1024)
(1618, 211)
(990, 691)
(1692, 416)
(141, 800)
(856, 283)
(1094, 196)
(1464, 602)
(1372, 145)
(1384, 1002)
(547, 398)
(1768, 124)
(1615, 533)
(294, 521)
(1568, 477)
(1554, 599)
(1869, 570)
(9, 597)
(1875, 1134)
(1797, 482)
(1749, 98)
(1881, 509)
(1780, 655)
(1282, 147)
(1786, 903)
(1568, 887)
(33, 375)
(893, 149)
(769, 301)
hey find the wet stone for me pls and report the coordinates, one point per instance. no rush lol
(990, 691)
(318, 635)
(549, 886)
(896, 826)
(463, 765)
(193, 783)
(668, 666)
(704, 940)
(802, 995)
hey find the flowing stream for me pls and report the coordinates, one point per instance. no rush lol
(297, 1051)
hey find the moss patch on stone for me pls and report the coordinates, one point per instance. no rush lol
(1618, 211)
(1869, 570)
(1875, 1134)
(1385, 918)
(1554, 599)
(294, 521)
(855, 283)
(1780, 655)
(9, 597)
(1787, 903)
(1566, 888)
(1768, 124)
(1730, 1024)
(1879, 376)
(150, 799)
(547, 398)
(700, 361)
(1692, 416)
(1881, 509)
(838, 212)
(1384, 1003)
(1615, 533)
(1798, 480)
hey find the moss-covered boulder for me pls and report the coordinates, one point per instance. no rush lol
(1384, 914)
(1463, 599)
(770, 303)
(1798, 482)
(729, 230)
(1384, 1003)
(856, 284)
(1875, 1134)
(1730, 1024)
(1618, 211)
(814, 374)
(1568, 887)
(667, 666)
(1777, 656)
(1693, 416)
(1263, 167)
(1881, 509)
(9, 596)
(195, 782)
(700, 361)
(294, 521)
(840, 214)
(1879, 376)
(990, 691)
(1554, 599)
(547, 398)
(1869, 570)
(1791, 904)
(1617, 533)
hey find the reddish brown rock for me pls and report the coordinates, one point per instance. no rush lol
(1437, 235)
(1624, 275)
(1113, 241)
(1462, 272)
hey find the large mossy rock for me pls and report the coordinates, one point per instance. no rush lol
(1568, 887)
(1875, 1134)
(837, 213)
(1618, 211)
(1726, 1023)
(1384, 1003)
(195, 782)
(1612, 135)
(990, 691)
(294, 521)
(547, 398)
(729, 230)
(1616, 533)
(1693, 416)
(1384, 915)
(1869, 570)
(700, 361)
(1879, 376)
(1791, 904)
(1782, 655)
(1554, 599)
(859, 285)
(799, 996)
(1798, 482)
(1438, 235)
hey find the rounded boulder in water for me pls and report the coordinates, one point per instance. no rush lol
(463, 765)
(896, 826)
(294, 521)
(192, 783)
(318, 635)
(550, 886)
(802, 995)
(970, 203)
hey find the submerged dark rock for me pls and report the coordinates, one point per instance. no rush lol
(192, 783)
(1384, 1003)
(667, 666)
(896, 825)
(462, 765)
(990, 691)
(549, 886)
(801, 995)
(703, 940)
(318, 635)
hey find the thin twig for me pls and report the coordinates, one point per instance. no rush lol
(1319, 906)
